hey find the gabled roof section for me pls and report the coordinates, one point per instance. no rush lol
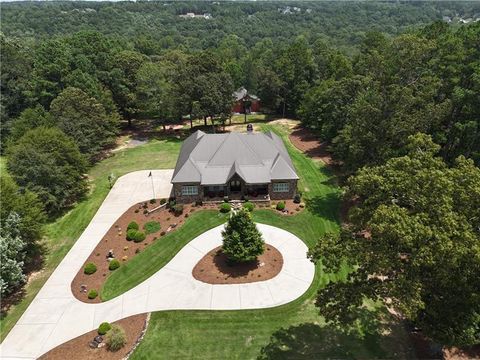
(213, 159)
(281, 170)
(187, 148)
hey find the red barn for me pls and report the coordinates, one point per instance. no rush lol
(245, 102)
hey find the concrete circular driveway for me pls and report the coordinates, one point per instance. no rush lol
(56, 316)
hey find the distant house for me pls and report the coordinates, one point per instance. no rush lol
(245, 102)
(252, 165)
(191, 15)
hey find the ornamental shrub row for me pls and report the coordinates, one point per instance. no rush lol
(114, 264)
(90, 268)
(135, 235)
(249, 206)
(133, 225)
(225, 208)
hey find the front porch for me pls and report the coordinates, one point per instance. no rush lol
(236, 189)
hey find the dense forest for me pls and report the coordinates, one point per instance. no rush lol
(388, 86)
(154, 26)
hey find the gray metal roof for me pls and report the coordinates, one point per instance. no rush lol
(212, 159)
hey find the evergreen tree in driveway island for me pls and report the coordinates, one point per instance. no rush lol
(242, 242)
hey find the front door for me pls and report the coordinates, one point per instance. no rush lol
(235, 186)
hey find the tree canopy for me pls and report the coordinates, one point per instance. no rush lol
(49, 163)
(413, 233)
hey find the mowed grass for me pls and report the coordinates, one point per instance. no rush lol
(61, 234)
(242, 334)
(155, 256)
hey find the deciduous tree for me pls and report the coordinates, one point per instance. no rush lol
(49, 163)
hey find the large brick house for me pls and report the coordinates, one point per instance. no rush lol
(255, 166)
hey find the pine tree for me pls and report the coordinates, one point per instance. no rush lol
(242, 241)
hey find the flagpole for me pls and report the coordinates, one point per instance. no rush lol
(153, 187)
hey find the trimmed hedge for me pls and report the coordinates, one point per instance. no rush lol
(225, 208)
(135, 235)
(90, 268)
(281, 206)
(249, 206)
(92, 294)
(133, 225)
(103, 328)
(114, 264)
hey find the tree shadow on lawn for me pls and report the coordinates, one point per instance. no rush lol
(326, 206)
(311, 341)
(373, 334)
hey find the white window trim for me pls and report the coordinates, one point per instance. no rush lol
(281, 187)
(189, 190)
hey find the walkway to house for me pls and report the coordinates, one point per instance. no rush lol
(56, 316)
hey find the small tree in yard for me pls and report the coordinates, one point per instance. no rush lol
(242, 241)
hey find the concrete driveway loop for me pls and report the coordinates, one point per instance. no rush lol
(56, 316)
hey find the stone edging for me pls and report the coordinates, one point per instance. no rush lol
(139, 339)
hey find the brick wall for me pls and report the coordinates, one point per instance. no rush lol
(283, 195)
(186, 199)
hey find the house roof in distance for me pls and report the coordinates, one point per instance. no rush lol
(242, 93)
(212, 159)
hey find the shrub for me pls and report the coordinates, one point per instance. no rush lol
(186, 215)
(133, 225)
(225, 199)
(151, 227)
(162, 233)
(198, 203)
(114, 264)
(90, 268)
(136, 211)
(162, 201)
(241, 239)
(145, 211)
(115, 338)
(103, 328)
(178, 209)
(135, 235)
(92, 294)
(281, 206)
(171, 204)
(297, 198)
(153, 201)
(225, 208)
(249, 206)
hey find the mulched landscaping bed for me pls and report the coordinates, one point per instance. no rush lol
(123, 250)
(213, 268)
(78, 348)
(308, 143)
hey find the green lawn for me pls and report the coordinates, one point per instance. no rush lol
(61, 234)
(154, 257)
(242, 334)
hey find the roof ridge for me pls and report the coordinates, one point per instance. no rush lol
(218, 148)
(249, 147)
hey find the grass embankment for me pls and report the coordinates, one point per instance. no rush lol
(61, 234)
(155, 256)
(242, 334)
